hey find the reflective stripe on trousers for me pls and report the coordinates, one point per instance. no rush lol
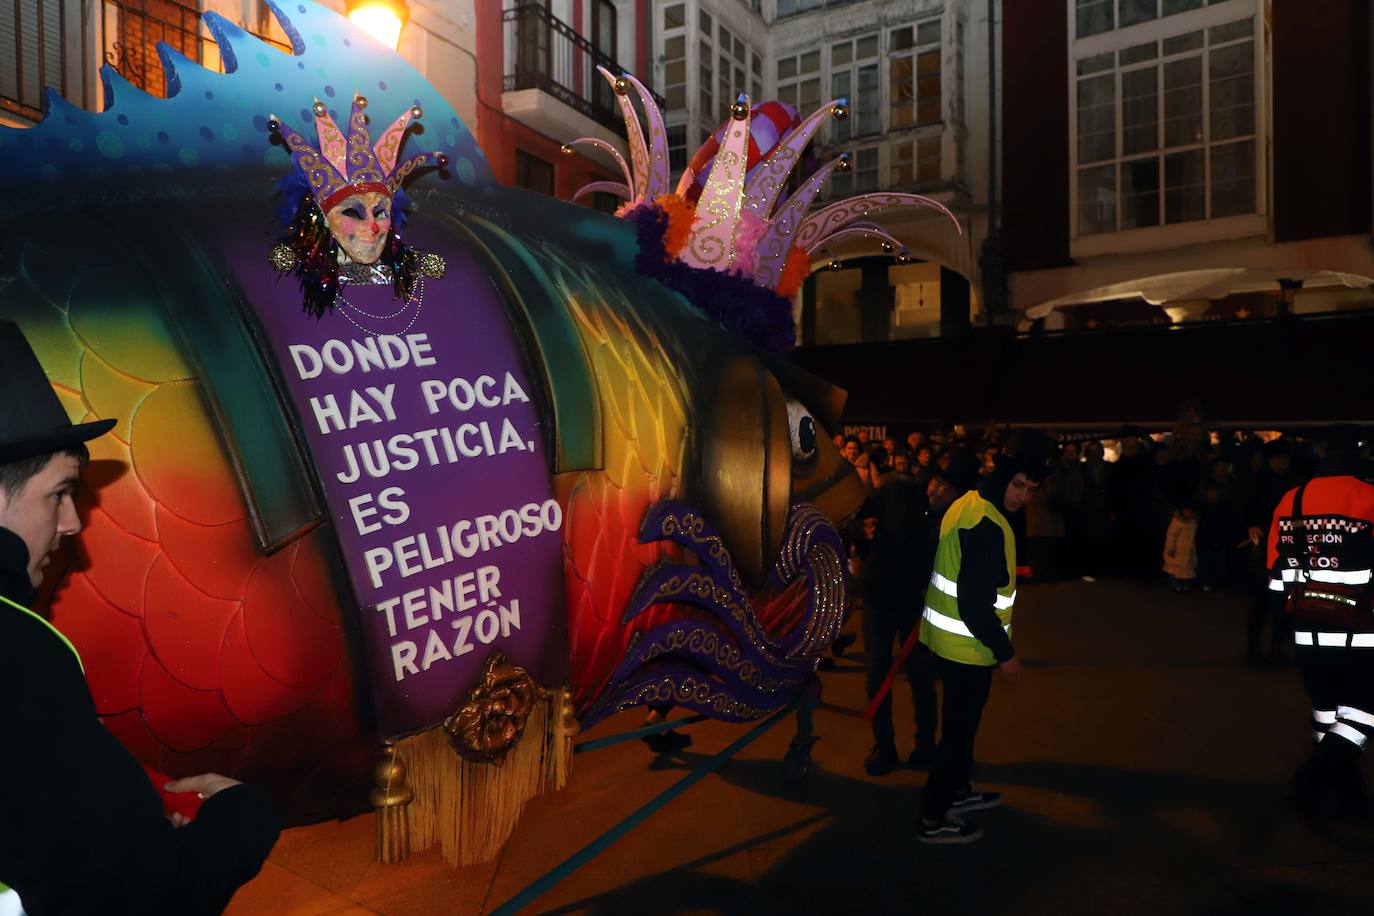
(1334, 640)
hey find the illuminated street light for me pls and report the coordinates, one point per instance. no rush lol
(382, 19)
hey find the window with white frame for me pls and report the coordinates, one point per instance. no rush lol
(674, 84)
(861, 178)
(1093, 17)
(915, 162)
(791, 7)
(914, 75)
(756, 80)
(799, 81)
(1166, 129)
(854, 76)
(677, 149)
(733, 66)
(706, 59)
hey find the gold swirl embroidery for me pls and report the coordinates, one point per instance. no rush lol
(638, 154)
(390, 146)
(703, 642)
(695, 692)
(763, 190)
(692, 525)
(704, 587)
(362, 164)
(707, 247)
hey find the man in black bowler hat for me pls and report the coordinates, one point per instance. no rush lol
(83, 829)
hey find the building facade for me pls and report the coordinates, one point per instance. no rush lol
(915, 75)
(521, 73)
(1194, 161)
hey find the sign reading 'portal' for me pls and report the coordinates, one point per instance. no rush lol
(426, 439)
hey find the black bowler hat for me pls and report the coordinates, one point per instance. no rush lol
(32, 419)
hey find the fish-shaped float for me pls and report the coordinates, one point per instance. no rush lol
(509, 477)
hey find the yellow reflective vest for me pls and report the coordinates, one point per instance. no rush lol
(942, 628)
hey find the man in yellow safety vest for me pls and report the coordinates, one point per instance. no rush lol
(967, 625)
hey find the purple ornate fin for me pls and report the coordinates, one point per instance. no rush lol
(683, 685)
(695, 586)
(699, 642)
(813, 546)
(680, 523)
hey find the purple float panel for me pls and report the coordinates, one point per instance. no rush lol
(422, 424)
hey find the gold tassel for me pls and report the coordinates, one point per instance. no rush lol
(471, 808)
(392, 798)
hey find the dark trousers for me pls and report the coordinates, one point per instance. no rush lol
(1340, 682)
(966, 693)
(881, 631)
(1266, 609)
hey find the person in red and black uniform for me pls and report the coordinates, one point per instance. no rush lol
(1321, 560)
(82, 829)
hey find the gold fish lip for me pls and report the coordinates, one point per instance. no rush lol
(824, 483)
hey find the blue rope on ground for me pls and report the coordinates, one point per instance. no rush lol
(666, 725)
(601, 843)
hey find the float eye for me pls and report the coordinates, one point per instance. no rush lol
(801, 428)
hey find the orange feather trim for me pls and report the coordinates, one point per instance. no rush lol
(681, 214)
(795, 270)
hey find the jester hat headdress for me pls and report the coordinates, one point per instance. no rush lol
(340, 168)
(343, 166)
(728, 214)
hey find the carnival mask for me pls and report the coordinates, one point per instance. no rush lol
(360, 224)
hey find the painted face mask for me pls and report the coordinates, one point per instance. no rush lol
(361, 224)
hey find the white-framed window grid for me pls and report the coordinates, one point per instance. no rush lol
(915, 78)
(1203, 43)
(672, 31)
(1096, 17)
(705, 62)
(799, 80)
(855, 75)
(916, 88)
(864, 175)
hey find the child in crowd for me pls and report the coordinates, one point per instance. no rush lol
(1180, 549)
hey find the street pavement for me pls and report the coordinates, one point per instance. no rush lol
(1145, 770)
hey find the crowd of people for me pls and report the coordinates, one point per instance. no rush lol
(1282, 520)
(1193, 508)
(1190, 507)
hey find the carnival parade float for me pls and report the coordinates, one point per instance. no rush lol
(415, 476)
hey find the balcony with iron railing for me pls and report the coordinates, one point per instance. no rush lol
(545, 54)
(57, 44)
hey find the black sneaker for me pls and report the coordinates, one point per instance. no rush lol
(951, 830)
(976, 800)
(881, 761)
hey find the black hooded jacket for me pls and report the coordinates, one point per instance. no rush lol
(82, 829)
